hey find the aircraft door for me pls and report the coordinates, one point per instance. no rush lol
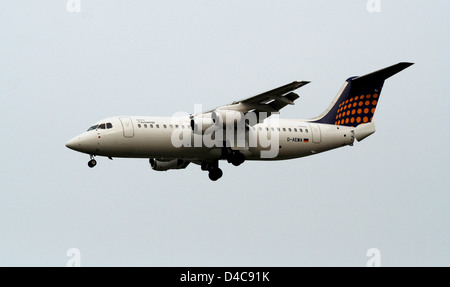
(316, 135)
(128, 130)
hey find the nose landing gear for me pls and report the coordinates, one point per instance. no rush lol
(92, 162)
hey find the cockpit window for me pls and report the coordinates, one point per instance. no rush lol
(101, 126)
(92, 128)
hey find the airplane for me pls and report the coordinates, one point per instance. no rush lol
(244, 130)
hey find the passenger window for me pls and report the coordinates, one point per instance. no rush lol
(176, 126)
(306, 130)
(139, 125)
(164, 126)
(157, 126)
(273, 129)
(295, 130)
(145, 126)
(182, 126)
(301, 130)
(284, 129)
(290, 130)
(109, 126)
(278, 129)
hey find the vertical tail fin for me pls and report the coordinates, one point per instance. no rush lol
(356, 102)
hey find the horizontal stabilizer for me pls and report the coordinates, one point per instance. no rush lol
(381, 75)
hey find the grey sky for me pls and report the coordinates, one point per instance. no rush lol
(60, 72)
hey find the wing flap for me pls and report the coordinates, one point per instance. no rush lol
(283, 101)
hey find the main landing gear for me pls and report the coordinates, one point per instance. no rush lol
(214, 172)
(92, 162)
(236, 158)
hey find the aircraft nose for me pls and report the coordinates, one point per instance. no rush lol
(82, 143)
(72, 143)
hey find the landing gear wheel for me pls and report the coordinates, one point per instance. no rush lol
(92, 163)
(237, 159)
(215, 174)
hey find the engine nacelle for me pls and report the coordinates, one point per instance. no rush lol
(200, 125)
(163, 165)
(223, 117)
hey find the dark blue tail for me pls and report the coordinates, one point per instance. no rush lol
(358, 99)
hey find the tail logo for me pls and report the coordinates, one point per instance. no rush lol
(356, 110)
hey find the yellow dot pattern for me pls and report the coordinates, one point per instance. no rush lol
(357, 110)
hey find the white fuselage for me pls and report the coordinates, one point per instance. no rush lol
(153, 137)
(244, 130)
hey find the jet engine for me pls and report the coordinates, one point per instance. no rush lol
(200, 125)
(223, 117)
(163, 165)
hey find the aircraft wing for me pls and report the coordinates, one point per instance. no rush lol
(270, 102)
